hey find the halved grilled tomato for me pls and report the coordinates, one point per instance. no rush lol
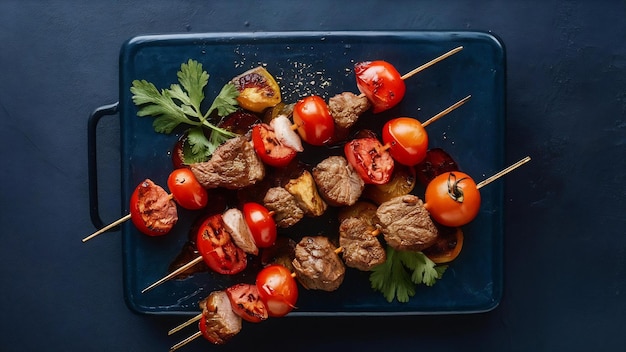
(217, 248)
(246, 302)
(258, 90)
(447, 247)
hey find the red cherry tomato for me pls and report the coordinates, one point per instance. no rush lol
(246, 302)
(315, 124)
(452, 199)
(269, 148)
(278, 289)
(216, 247)
(407, 140)
(186, 189)
(261, 224)
(381, 83)
(151, 209)
(368, 157)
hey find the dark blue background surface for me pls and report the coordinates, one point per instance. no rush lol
(565, 246)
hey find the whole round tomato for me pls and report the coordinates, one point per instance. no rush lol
(370, 160)
(452, 199)
(315, 124)
(381, 83)
(261, 224)
(407, 140)
(278, 289)
(267, 146)
(246, 302)
(447, 247)
(216, 247)
(151, 210)
(186, 189)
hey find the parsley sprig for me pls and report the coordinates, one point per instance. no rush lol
(397, 277)
(181, 104)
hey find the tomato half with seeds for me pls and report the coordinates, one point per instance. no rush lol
(261, 224)
(452, 199)
(216, 247)
(447, 247)
(267, 146)
(407, 140)
(278, 289)
(186, 189)
(381, 83)
(315, 124)
(246, 302)
(370, 160)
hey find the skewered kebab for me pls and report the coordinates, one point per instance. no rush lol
(152, 209)
(257, 99)
(325, 174)
(316, 263)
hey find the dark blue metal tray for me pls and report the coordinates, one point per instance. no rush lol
(321, 63)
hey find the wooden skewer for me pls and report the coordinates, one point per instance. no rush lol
(173, 273)
(113, 224)
(435, 118)
(446, 111)
(502, 173)
(432, 62)
(427, 65)
(108, 227)
(185, 324)
(186, 341)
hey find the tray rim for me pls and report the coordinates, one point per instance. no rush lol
(136, 42)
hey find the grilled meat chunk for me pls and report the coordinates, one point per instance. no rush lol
(337, 182)
(316, 264)
(361, 248)
(283, 204)
(346, 108)
(406, 224)
(221, 322)
(234, 165)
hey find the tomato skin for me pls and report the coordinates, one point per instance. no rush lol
(315, 124)
(186, 189)
(217, 249)
(368, 157)
(278, 289)
(269, 149)
(137, 218)
(381, 83)
(441, 203)
(407, 140)
(246, 302)
(436, 162)
(178, 154)
(261, 224)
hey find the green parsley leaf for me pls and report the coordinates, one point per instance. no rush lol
(397, 277)
(181, 105)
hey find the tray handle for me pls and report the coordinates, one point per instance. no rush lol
(94, 118)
